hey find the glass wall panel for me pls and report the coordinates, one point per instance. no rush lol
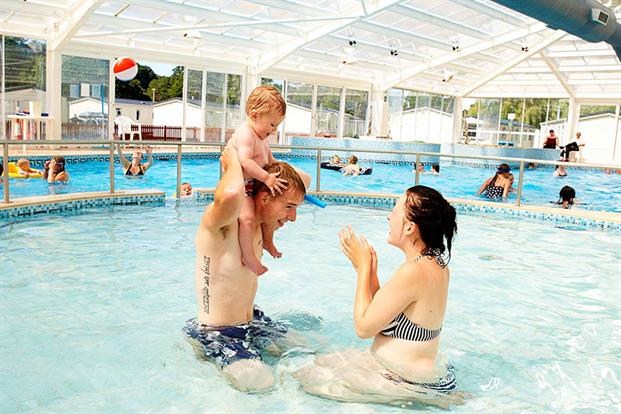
(299, 108)
(234, 112)
(589, 110)
(489, 116)
(193, 109)
(356, 103)
(328, 104)
(276, 83)
(84, 116)
(409, 116)
(24, 82)
(214, 101)
(395, 102)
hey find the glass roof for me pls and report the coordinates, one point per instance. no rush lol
(417, 44)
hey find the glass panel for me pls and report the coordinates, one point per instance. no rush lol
(591, 110)
(213, 106)
(234, 114)
(511, 123)
(84, 117)
(409, 116)
(356, 103)
(299, 114)
(276, 83)
(328, 104)
(436, 102)
(395, 102)
(193, 107)
(24, 82)
(489, 114)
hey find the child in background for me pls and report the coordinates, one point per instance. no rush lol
(435, 169)
(186, 189)
(566, 197)
(265, 110)
(352, 168)
(23, 168)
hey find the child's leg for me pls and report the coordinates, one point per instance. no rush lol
(268, 241)
(246, 223)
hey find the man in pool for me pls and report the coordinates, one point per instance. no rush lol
(231, 330)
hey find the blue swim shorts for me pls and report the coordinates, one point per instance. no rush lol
(227, 344)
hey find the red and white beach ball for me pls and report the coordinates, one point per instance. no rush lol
(125, 68)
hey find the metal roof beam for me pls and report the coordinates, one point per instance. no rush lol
(437, 20)
(580, 53)
(290, 6)
(373, 27)
(493, 11)
(74, 21)
(561, 78)
(514, 62)
(282, 51)
(20, 6)
(479, 47)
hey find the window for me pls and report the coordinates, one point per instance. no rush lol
(74, 91)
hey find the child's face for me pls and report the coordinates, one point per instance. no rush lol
(186, 190)
(265, 124)
(23, 164)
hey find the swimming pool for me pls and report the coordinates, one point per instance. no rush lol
(91, 320)
(598, 191)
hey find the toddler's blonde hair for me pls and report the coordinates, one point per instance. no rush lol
(264, 99)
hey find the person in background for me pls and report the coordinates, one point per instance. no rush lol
(566, 197)
(435, 169)
(134, 168)
(54, 170)
(352, 168)
(559, 171)
(574, 146)
(336, 160)
(551, 141)
(1, 172)
(186, 189)
(23, 168)
(498, 186)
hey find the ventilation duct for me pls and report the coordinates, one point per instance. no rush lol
(586, 19)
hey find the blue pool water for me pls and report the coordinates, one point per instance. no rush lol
(596, 190)
(93, 305)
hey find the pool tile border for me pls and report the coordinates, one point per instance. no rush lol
(594, 220)
(30, 206)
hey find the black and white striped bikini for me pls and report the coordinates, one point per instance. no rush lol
(403, 328)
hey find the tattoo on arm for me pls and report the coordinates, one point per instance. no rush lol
(205, 270)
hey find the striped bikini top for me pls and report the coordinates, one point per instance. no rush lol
(403, 328)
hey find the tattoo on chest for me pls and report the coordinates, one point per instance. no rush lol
(206, 274)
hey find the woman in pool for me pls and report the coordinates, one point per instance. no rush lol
(405, 315)
(134, 168)
(566, 197)
(499, 185)
(54, 170)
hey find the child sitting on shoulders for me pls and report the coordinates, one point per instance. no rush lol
(265, 110)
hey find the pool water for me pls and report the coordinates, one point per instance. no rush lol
(93, 305)
(595, 190)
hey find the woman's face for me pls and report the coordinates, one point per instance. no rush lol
(137, 156)
(396, 220)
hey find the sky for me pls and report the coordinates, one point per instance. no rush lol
(162, 69)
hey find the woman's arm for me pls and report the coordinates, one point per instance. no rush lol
(149, 163)
(485, 184)
(124, 161)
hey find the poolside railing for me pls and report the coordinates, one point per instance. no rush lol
(318, 150)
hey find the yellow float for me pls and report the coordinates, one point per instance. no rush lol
(14, 172)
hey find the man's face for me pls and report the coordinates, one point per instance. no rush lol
(277, 211)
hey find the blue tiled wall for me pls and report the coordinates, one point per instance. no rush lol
(474, 150)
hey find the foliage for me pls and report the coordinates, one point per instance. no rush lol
(25, 63)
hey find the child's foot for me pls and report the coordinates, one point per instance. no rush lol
(254, 265)
(271, 249)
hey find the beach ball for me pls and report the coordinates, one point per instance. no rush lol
(125, 68)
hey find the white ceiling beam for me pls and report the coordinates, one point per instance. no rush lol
(322, 57)
(561, 78)
(602, 82)
(25, 30)
(73, 21)
(515, 61)
(29, 8)
(591, 68)
(242, 23)
(437, 20)
(374, 27)
(214, 15)
(493, 11)
(479, 47)
(464, 68)
(282, 51)
(290, 6)
(580, 53)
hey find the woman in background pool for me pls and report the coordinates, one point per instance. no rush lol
(54, 170)
(134, 168)
(499, 185)
(566, 197)
(405, 315)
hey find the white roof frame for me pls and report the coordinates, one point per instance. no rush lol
(74, 20)
(561, 78)
(418, 14)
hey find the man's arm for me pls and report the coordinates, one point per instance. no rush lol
(229, 193)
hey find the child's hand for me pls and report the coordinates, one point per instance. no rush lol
(275, 184)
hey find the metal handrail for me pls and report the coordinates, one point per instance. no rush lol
(317, 149)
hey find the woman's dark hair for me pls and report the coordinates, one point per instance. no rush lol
(60, 161)
(436, 221)
(551, 130)
(436, 167)
(1, 169)
(567, 194)
(502, 168)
